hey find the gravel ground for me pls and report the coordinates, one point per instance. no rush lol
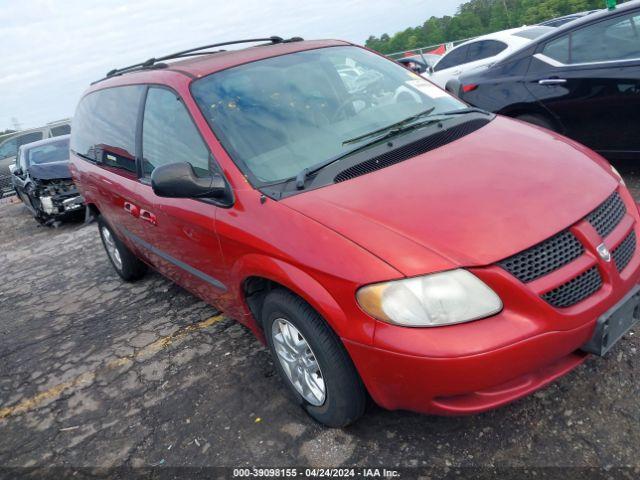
(96, 372)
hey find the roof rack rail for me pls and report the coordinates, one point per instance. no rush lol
(156, 62)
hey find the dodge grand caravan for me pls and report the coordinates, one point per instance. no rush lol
(380, 236)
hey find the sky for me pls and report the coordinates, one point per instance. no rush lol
(50, 50)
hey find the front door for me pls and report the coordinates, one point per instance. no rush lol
(589, 79)
(180, 233)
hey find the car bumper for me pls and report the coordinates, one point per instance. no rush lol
(468, 384)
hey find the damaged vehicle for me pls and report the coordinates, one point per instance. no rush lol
(43, 182)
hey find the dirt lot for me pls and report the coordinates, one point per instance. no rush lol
(95, 372)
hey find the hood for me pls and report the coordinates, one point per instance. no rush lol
(472, 202)
(50, 171)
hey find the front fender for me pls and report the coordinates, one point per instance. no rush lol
(304, 285)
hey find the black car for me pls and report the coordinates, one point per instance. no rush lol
(43, 181)
(582, 80)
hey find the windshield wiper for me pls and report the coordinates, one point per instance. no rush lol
(401, 123)
(303, 174)
(464, 111)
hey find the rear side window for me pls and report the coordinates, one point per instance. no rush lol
(484, 49)
(169, 135)
(453, 59)
(104, 127)
(610, 40)
(28, 138)
(60, 130)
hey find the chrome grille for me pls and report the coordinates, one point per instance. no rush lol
(575, 290)
(624, 252)
(544, 258)
(608, 215)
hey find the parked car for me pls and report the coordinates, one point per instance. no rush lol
(43, 182)
(9, 148)
(559, 21)
(440, 258)
(482, 51)
(420, 63)
(582, 80)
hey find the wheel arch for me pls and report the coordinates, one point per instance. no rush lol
(260, 274)
(535, 110)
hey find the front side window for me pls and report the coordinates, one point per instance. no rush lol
(9, 148)
(609, 40)
(104, 127)
(51, 152)
(169, 135)
(281, 115)
(453, 59)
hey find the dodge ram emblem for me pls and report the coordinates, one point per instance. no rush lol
(604, 253)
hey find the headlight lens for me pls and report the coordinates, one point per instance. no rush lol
(617, 174)
(433, 300)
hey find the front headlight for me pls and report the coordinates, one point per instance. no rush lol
(433, 300)
(617, 174)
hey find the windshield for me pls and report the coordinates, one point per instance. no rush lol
(51, 152)
(281, 115)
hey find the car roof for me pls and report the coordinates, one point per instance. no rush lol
(510, 36)
(206, 64)
(57, 123)
(591, 18)
(45, 141)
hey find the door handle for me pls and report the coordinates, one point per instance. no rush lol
(131, 209)
(552, 81)
(147, 216)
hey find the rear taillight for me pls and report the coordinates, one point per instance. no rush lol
(469, 88)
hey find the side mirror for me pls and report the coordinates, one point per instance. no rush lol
(178, 180)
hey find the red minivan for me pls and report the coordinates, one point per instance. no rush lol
(380, 236)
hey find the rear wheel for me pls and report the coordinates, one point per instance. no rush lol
(126, 264)
(538, 120)
(312, 361)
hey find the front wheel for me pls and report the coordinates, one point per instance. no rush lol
(126, 264)
(312, 361)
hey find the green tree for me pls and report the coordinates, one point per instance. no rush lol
(478, 17)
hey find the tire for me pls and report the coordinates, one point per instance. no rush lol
(345, 397)
(538, 120)
(126, 264)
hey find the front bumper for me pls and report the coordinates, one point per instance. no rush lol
(477, 366)
(470, 384)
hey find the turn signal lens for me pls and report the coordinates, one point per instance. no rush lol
(469, 88)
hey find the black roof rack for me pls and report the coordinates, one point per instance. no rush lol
(157, 62)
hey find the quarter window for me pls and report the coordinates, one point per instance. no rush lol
(60, 130)
(169, 135)
(104, 127)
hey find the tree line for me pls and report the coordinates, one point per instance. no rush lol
(479, 17)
